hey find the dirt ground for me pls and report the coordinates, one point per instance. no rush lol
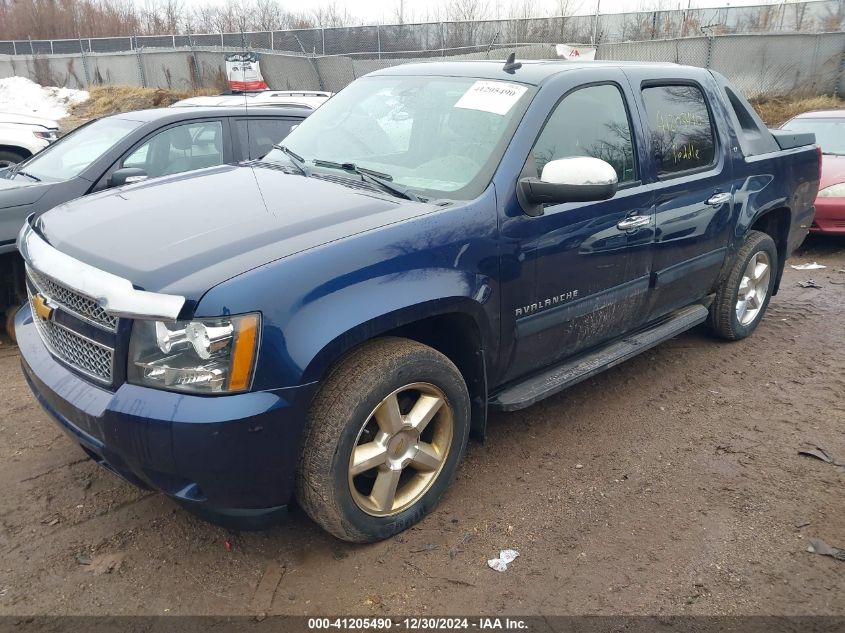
(671, 484)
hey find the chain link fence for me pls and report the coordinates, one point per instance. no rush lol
(770, 65)
(812, 16)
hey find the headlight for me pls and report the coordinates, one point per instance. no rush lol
(200, 356)
(47, 136)
(834, 191)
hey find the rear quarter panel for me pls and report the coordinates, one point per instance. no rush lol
(787, 179)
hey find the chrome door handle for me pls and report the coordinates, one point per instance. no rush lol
(634, 222)
(718, 199)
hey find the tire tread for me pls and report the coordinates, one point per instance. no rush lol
(722, 318)
(345, 387)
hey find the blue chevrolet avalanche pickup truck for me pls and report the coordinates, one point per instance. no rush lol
(331, 323)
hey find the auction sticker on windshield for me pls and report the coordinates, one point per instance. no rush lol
(497, 97)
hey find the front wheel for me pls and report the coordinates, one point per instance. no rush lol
(9, 158)
(742, 298)
(383, 441)
(11, 313)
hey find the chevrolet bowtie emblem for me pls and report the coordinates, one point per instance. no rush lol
(42, 307)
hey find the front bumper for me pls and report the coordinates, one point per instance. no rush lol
(225, 455)
(830, 216)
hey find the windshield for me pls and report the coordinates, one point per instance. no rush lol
(439, 135)
(830, 133)
(67, 157)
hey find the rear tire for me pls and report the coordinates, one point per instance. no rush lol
(743, 296)
(383, 440)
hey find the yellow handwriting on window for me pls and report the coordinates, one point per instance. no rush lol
(686, 152)
(674, 122)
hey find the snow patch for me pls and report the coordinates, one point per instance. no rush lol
(23, 96)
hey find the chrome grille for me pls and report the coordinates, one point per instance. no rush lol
(87, 356)
(79, 305)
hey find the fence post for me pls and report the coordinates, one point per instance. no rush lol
(272, 41)
(709, 59)
(14, 48)
(378, 39)
(323, 34)
(197, 70)
(596, 23)
(142, 77)
(85, 62)
(31, 50)
(837, 89)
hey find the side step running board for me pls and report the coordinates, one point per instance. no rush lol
(573, 371)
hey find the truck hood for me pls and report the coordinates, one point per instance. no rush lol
(185, 234)
(27, 119)
(21, 191)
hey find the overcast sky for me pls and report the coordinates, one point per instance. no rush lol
(383, 11)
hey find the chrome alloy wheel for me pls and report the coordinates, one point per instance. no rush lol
(401, 449)
(753, 288)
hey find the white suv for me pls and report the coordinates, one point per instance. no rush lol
(22, 135)
(311, 98)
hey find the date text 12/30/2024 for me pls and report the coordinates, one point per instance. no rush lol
(417, 624)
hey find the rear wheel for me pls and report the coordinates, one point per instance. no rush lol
(742, 298)
(384, 438)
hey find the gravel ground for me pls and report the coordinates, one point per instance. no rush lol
(671, 484)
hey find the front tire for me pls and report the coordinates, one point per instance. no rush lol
(383, 441)
(9, 158)
(11, 313)
(742, 298)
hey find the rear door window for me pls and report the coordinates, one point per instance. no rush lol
(680, 127)
(256, 137)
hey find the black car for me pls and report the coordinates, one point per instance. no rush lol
(126, 148)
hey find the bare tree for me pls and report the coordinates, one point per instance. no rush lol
(331, 15)
(522, 9)
(163, 16)
(399, 12)
(834, 15)
(799, 9)
(268, 15)
(466, 10)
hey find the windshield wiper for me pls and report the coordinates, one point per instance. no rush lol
(295, 158)
(28, 175)
(370, 175)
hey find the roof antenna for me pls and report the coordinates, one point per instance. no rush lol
(511, 65)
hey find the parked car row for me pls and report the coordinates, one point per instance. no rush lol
(829, 128)
(330, 323)
(126, 148)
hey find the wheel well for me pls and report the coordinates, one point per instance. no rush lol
(456, 336)
(17, 150)
(776, 224)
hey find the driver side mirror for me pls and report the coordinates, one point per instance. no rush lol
(575, 179)
(127, 176)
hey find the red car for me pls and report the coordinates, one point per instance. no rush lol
(829, 127)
